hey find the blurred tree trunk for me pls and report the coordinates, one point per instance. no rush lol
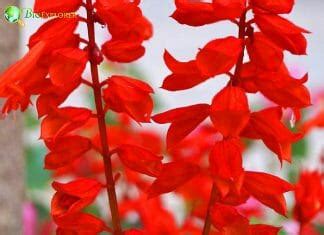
(11, 148)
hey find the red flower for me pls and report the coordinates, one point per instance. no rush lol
(128, 28)
(64, 150)
(72, 197)
(264, 53)
(219, 56)
(184, 75)
(194, 13)
(57, 6)
(67, 65)
(230, 111)
(268, 189)
(172, 176)
(183, 121)
(57, 33)
(225, 159)
(123, 51)
(229, 9)
(18, 81)
(63, 121)
(309, 196)
(228, 221)
(266, 125)
(276, 7)
(283, 33)
(131, 96)
(140, 159)
(79, 223)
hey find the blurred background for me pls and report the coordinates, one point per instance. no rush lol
(25, 185)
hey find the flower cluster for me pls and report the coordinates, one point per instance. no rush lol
(264, 35)
(52, 69)
(205, 158)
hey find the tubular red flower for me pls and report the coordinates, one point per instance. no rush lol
(129, 95)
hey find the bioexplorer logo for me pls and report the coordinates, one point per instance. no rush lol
(15, 15)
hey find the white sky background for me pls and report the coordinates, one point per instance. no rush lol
(183, 42)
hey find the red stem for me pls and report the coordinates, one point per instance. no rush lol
(101, 121)
(241, 35)
(207, 226)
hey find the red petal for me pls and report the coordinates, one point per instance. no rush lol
(219, 56)
(260, 229)
(131, 96)
(276, 7)
(183, 121)
(268, 189)
(140, 160)
(283, 33)
(229, 9)
(64, 121)
(226, 159)
(57, 33)
(81, 223)
(172, 176)
(184, 75)
(123, 51)
(194, 13)
(230, 111)
(264, 53)
(226, 218)
(67, 65)
(65, 150)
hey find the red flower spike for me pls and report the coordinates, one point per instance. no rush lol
(276, 7)
(219, 56)
(57, 33)
(172, 176)
(67, 65)
(283, 33)
(309, 197)
(268, 189)
(129, 95)
(123, 51)
(225, 159)
(57, 6)
(72, 197)
(264, 53)
(184, 75)
(80, 223)
(140, 160)
(64, 150)
(230, 111)
(194, 13)
(183, 121)
(63, 121)
(266, 125)
(229, 9)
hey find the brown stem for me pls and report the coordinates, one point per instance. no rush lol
(207, 226)
(101, 121)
